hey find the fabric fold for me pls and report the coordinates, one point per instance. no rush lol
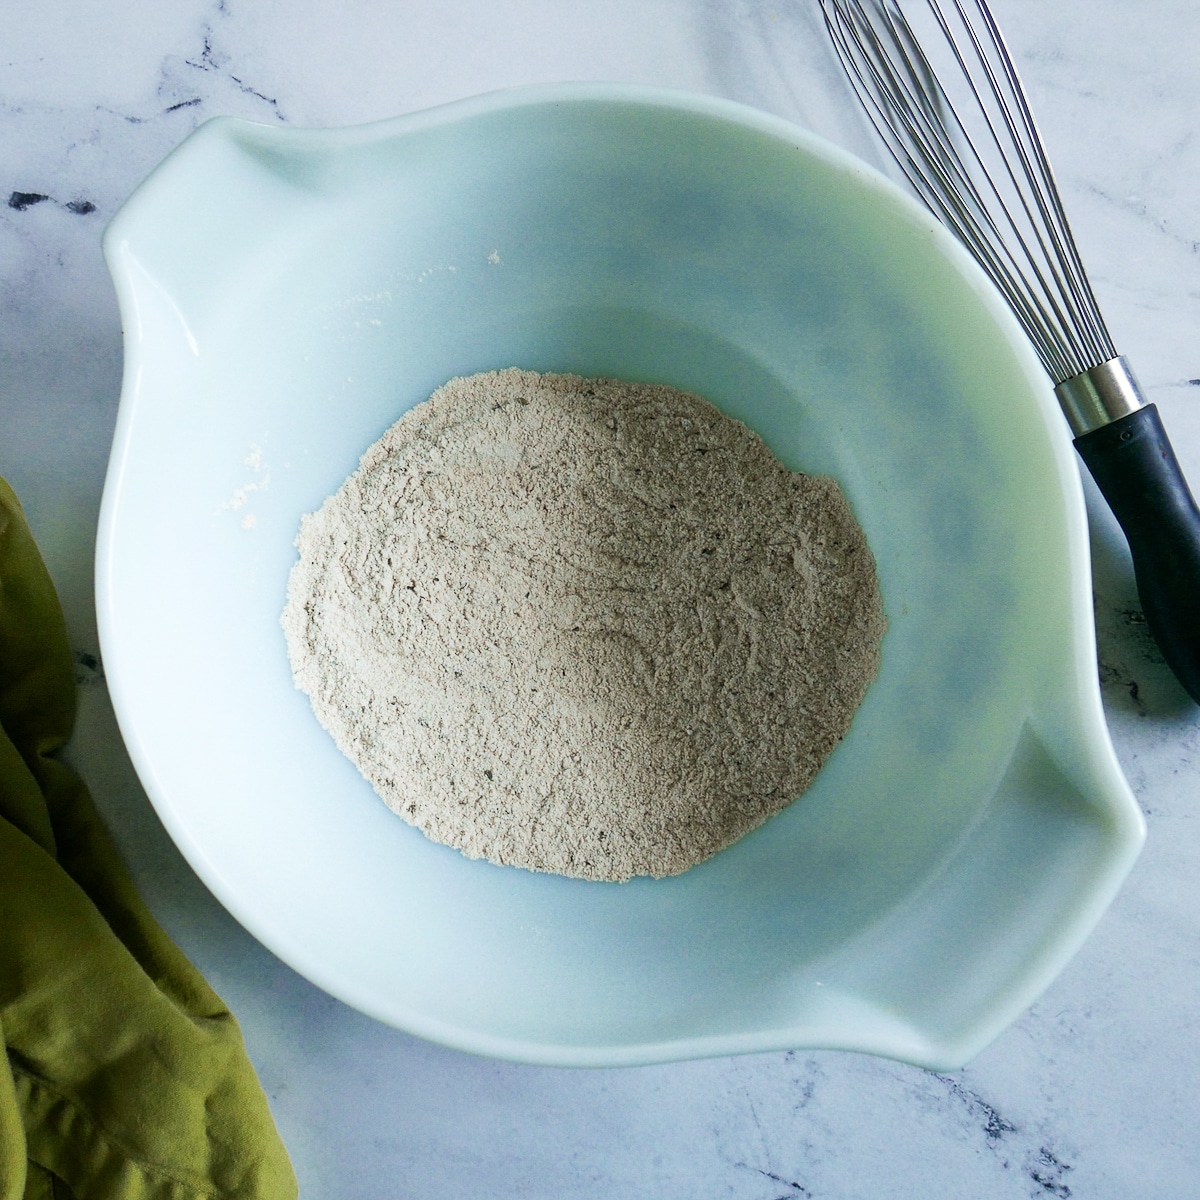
(125, 1076)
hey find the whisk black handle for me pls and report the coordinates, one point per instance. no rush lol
(1132, 462)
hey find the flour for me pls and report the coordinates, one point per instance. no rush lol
(582, 626)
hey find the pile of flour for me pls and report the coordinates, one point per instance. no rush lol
(582, 625)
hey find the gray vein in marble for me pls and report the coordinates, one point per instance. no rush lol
(993, 1125)
(215, 61)
(1139, 209)
(792, 1188)
(89, 672)
(1039, 1161)
(20, 201)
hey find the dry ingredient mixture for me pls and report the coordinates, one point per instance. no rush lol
(582, 625)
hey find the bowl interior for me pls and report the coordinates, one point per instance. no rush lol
(288, 294)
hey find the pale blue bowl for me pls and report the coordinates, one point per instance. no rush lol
(287, 294)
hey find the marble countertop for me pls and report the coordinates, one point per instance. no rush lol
(1095, 1092)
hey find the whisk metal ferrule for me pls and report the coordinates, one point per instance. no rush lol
(1100, 395)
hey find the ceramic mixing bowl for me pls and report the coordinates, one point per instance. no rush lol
(287, 294)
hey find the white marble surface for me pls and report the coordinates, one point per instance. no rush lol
(1095, 1093)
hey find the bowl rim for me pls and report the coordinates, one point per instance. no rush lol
(1128, 823)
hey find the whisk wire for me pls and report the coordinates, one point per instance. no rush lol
(968, 215)
(909, 109)
(1053, 291)
(979, 166)
(1048, 193)
(1061, 254)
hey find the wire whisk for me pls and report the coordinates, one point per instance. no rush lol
(939, 85)
(989, 180)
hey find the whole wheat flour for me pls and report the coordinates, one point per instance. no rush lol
(582, 625)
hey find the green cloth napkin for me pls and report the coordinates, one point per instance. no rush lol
(125, 1076)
